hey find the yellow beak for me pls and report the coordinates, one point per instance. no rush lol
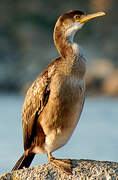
(88, 17)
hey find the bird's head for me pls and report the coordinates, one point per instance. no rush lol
(73, 20)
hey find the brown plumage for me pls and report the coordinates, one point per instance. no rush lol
(54, 102)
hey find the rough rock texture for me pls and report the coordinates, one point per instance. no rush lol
(82, 170)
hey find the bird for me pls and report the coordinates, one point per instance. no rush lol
(54, 102)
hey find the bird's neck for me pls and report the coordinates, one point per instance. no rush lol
(70, 52)
(64, 44)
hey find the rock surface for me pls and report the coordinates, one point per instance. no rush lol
(82, 169)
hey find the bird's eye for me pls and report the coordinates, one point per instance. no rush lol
(77, 16)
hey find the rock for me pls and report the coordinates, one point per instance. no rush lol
(82, 169)
(110, 85)
(100, 68)
(97, 72)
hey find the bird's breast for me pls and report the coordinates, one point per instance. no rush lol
(67, 89)
(62, 111)
(65, 103)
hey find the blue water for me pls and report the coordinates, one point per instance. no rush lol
(96, 136)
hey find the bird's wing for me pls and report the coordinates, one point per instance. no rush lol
(35, 101)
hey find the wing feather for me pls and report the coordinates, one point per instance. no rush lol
(35, 101)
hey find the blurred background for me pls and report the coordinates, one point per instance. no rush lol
(26, 48)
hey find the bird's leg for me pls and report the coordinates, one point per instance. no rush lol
(63, 164)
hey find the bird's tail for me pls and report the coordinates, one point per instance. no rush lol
(24, 161)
